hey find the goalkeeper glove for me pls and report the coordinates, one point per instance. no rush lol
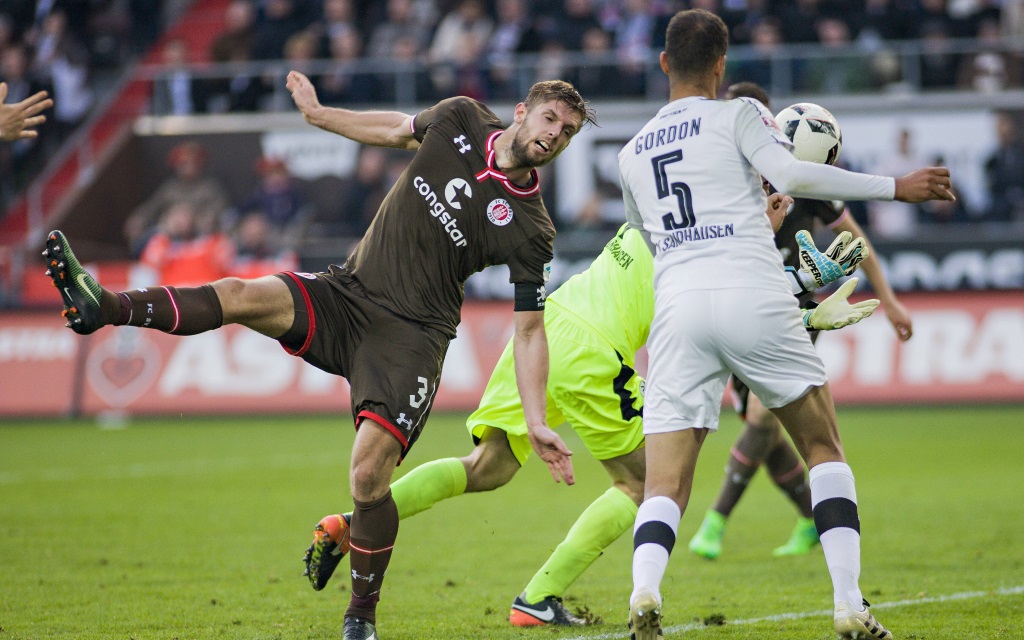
(835, 312)
(840, 259)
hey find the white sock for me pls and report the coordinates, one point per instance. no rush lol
(832, 484)
(657, 521)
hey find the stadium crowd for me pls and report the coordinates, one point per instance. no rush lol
(484, 49)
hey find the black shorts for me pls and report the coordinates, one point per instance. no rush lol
(393, 365)
(741, 392)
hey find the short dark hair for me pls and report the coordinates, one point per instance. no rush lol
(748, 90)
(563, 92)
(694, 41)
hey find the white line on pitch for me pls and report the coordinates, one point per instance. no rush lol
(693, 626)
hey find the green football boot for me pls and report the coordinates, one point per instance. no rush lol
(803, 539)
(707, 542)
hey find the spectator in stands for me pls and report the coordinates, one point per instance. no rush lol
(243, 89)
(844, 70)
(799, 21)
(347, 212)
(346, 83)
(514, 33)
(258, 249)
(572, 22)
(552, 63)
(181, 254)
(176, 90)
(895, 220)
(741, 16)
(188, 183)
(277, 195)
(1004, 171)
(600, 76)
(410, 75)
(236, 41)
(883, 21)
(991, 69)
(457, 49)
(938, 62)
(63, 61)
(766, 39)
(281, 20)
(401, 24)
(338, 18)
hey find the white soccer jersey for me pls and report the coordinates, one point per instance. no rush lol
(687, 180)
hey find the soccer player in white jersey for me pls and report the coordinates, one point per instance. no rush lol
(692, 179)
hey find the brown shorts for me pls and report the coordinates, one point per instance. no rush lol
(393, 365)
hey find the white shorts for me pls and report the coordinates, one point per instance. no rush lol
(701, 336)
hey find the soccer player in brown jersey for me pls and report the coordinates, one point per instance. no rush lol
(761, 441)
(469, 198)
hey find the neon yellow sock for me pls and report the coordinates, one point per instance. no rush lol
(428, 484)
(600, 524)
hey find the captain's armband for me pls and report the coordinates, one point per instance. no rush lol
(530, 297)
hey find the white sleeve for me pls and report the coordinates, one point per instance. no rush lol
(817, 181)
(633, 217)
(756, 128)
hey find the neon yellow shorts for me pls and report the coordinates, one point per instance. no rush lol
(589, 386)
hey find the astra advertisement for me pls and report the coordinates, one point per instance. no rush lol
(966, 348)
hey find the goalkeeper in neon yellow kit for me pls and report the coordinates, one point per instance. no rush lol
(595, 324)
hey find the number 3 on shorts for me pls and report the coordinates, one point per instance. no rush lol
(413, 400)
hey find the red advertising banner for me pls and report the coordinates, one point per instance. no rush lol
(966, 348)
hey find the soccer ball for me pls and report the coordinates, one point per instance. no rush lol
(814, 131)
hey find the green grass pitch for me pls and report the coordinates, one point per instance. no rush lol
(194, 528)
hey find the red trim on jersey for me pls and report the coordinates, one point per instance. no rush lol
(395, 431)
(369, 552)
(309, 314)
(177, 313)
(492, 172)
(412, 124)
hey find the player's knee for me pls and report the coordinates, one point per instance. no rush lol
(488, 470)
(369, 480)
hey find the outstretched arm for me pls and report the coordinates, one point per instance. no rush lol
(802, 179)
(377, 128)
(17, 121)
(894, 310)
(530, 354)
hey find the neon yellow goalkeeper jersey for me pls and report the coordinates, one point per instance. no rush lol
(615, 295)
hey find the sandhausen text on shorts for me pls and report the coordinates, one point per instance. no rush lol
(693, 234)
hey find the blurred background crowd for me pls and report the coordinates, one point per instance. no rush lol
(406, 52)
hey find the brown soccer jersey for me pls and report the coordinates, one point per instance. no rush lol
(449, 215)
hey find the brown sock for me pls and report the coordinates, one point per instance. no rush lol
(374, 528)
(744, 458)
(183, 312)
(787, 470)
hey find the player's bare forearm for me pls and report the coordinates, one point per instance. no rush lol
(378, 128)
(530, 354)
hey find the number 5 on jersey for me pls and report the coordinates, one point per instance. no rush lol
(680, 189)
